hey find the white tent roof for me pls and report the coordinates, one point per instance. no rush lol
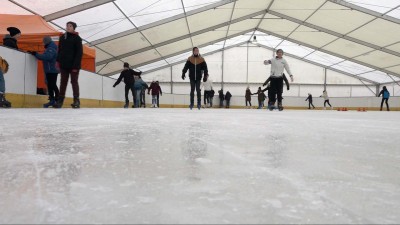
(359, 38)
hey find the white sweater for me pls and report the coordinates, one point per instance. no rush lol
(208, 85)
(278, 66)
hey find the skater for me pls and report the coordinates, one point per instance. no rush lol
(196, 66)
(278, 65)
(385, 97)
(326, 97)
(158, 96)
(139, 85)
(128, 76)
(310, 101)
(3, 70)
(212, 93)
(155, 92)
(247, 96)
(70, 51)
(261, 97)
(49, 58)
(228, 97)
(10, 40)
(272, 94)
(208, 87)
(221, 98)
(143, 97)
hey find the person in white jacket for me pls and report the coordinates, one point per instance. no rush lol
(326, 98)
(278, 65)
(207, 86)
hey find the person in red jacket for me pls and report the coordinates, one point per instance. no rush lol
(155, 92)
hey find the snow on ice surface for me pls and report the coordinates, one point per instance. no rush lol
(212, 166)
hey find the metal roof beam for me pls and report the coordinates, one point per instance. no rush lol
(76, 9)
(328, 52)
(181, 38)
(161, 22)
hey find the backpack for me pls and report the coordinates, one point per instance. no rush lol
(4, 65)
(386, 94)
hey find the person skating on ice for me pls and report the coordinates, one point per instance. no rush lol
(247, 96)
(272, 93)
(261, 97)
(310, 101)
(127, 75)
(208, 87)
(326, 98)
(196, 66)
(70, 52)
(385, 97)
(3, 70)
(49, 58)
(221, 97)
(228, 97)
(155, 92)
(139, 86)
(278, 65)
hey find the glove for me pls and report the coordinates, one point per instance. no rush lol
(32, 53)
(114, 86)
(288, 88)
(265, 84)
(183, 76)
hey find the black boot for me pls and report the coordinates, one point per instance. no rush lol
(76, 104)
(51, 103)
(60, 103)
(126, 105)
(280, 107)
(3, 102)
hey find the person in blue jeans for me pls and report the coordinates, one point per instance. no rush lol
(385, 97)
(3, 69)
(138, 86)
(49, 58)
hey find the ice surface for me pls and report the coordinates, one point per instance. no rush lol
(212, 166)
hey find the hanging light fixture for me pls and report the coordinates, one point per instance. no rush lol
(254, 39)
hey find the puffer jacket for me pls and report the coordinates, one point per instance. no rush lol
(49, 58)
(196, 66)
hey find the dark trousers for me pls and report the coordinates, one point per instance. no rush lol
(228, 103)
(65, 74)
(387, 104)
(158, 100)
(276, 90)
(143, 98)
(327, 101)
(248, 101)
(195, 84)
(221, 102)
(310, 104)
(51, 79)
(127, 88)
(205, 97)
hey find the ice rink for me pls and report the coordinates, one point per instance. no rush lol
(209, 166)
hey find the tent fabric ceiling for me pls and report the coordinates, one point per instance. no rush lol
(357, 37)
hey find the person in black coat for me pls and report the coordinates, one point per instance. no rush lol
(228, 97)
(10, 40)
(128, 76)
(310, 101)
(70, 52)
(221, 98)
(196, 66)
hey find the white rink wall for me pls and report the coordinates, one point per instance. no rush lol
(22, 79)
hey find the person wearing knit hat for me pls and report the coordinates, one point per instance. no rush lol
(10, 40)
(70, 52)
(128, 76)
(49, 58)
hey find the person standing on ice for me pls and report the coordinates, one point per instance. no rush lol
(10, 40)
(70, 52)
(278, 65)
(385, 97)
(196, 66)
(326, 98)
(3, 70)
(139, 86)
(247, 96)
(310, 101)
(155, 92)
(128, 76)
(221, 98)
(49, 58)
(208, 87)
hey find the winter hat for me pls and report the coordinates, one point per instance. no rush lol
(47, 40)
(73, 24)
(13, 31)
(126, 65)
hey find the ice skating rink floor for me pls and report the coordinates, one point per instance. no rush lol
(212, 166)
